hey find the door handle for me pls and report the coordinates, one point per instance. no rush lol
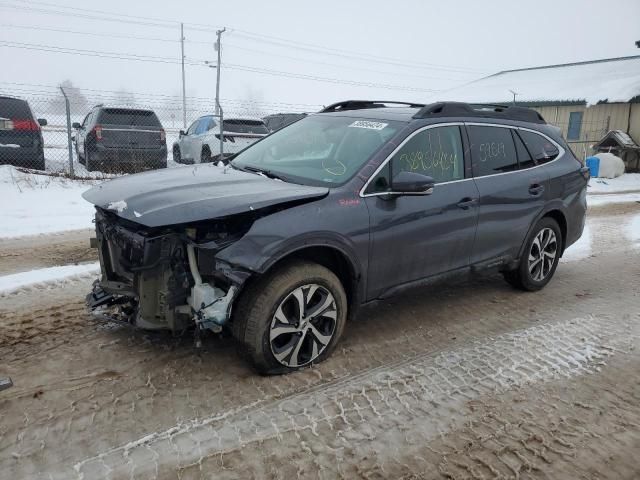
(536, 189)
(467, 203)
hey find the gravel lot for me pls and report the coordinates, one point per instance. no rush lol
(457, 381)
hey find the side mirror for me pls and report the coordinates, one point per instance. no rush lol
(73, 138)
(42, 122)
(181, 133)
(412, 183)
(76, 125)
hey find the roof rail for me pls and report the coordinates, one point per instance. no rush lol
(459, 109)
(362, 104)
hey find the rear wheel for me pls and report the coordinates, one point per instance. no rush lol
(39, 164)
(87, 161)
(540, 258)
(205, 156)
(291, 318)
(177, 157)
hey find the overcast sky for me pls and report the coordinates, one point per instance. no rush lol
(402, 50)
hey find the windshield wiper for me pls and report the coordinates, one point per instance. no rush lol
(264, 171)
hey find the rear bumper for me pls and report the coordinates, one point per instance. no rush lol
(129, 157)
(21, 156)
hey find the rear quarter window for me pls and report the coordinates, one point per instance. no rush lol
(541, 149)
(14, 109)
(138, 118)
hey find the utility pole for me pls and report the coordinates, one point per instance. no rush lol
(184, 92)
(219, 50)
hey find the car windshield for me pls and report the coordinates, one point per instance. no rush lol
(319, 149)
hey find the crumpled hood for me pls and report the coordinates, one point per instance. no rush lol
(188, 194)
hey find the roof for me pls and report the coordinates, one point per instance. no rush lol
(617, 138)
(610, 80)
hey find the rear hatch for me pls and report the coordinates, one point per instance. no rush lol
(244, 131)
(17, 126)
(131, 129)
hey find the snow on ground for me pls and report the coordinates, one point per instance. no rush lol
(36, 204)
(625, 183)
(597, 200)
(17, 281)
(579, 250)
(633, 231)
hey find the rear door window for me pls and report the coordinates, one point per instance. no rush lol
(245, 126)
(121, 116)
(492, 150)
(541, 149)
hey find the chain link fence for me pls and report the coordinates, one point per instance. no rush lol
(67, 132)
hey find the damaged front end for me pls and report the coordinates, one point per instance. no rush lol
(166, 277)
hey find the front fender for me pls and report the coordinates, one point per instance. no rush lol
(325, 223)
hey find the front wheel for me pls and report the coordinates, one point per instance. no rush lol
(540, 257)
(291, 318)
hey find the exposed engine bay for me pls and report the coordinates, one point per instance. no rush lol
(166, 277)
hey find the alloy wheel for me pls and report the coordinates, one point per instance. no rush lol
(542, 254)
(303, 325)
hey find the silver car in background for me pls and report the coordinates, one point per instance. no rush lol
(201, 142)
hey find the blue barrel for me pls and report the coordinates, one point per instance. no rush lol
(593, 164)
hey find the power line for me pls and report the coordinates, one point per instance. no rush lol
(255, 37)
(350, 67)
(89, 17)
(156, 59)
(94, 34)
(348, 54)
(302, 76)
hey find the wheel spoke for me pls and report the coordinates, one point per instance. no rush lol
(321, 310)
(282, 329)
(310, 292)
(298, 295)
(293, 361)
(320, 337)
(287, 352)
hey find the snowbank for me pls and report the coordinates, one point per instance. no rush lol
(610, 165)
(17, 281)
(35, 204)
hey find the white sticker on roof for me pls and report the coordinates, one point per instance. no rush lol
(368, 124)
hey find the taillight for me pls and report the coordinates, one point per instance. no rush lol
(163, 135)
(25, 125)
(98, 131)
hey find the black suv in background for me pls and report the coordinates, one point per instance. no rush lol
(339, 209)
(121, 139)
(21, 141)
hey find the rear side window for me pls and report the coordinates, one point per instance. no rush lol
(13, 108)
(541, 149)
(121, 116)
(492, 150)
(245, 126)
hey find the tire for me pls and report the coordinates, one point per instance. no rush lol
(177, 157)
(277, 294)
(205, 156)
(87, 161)
(40, 163)
(536, 267)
